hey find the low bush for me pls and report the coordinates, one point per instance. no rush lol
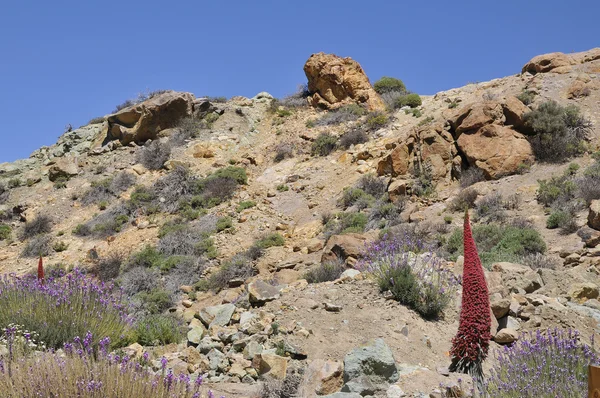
(154, 155)
(60, 246)
(38, 246)
(352, 137)
(465, 199)
(224, 223)
(284, 151)
(107, 268)
(560, 132)
(270, 240)
(83, 372)
(4, 193)
(169, 190)
(238, 267)
(139, 279)
(325, 272)
(158, 329)
(527, 97)
(538, 260)
(155, 301)
(588, 186)
(237, 174)
(346, 113)
(491, 207)
(470, 176)
(423, 184)
(14, 183)
(41, 224)
(377, 120)
(389, 84)
(553, 363)
(298, 99)
(282, 188)
(384, 214)
(372, 185)
(557, 218)
(107, 223)
(346, 222)
(61, 309)
(355, 197)
(497, 242)
(248, 204)
(410, 100)
(556, 191)
(323, 145)
(419, 281)
(5, 232)
(187, 128)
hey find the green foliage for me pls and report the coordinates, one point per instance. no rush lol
(14, 182)
(207, 247)
(5, 232)
(270, 240)
(377, 120)
(448, 219)
(323, 145)
(346, 222)
(497, 242)
(238, 267)
(388, 84)
(238, 174)
(282, 188)
(356, 196)
(465, 199)
(560, 131)
(60, 246)
(60, 183)
(158, 329)
(248, 204)
(423, 184)
(148, 257)
(412, 100)
(224, 223)
(283, 112)
(526, 97)
(325, 272)
(557, 218)
(557, 189)
(425, 121)
(155, 301)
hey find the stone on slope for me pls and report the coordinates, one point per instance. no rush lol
(219, 315)
(195, 335)
(496, 150)
(341, 247)
(585, 290)
(271, 365)
(594, 215)
(143, 121)
(506, 336)
(260, 292)
(334, 81)
(375, 361)
(63, 168)
(546, 63)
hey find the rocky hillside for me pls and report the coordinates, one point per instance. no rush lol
(228, 209)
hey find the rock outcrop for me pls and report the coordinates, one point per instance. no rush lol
(335, 81)
(594, 215)
(546, 63)
(143, 121)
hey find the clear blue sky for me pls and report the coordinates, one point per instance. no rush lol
(69, 61)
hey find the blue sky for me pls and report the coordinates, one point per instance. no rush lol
(69, 61)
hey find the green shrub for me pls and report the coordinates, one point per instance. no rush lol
(14, 183)
(465, 199)
(448, 219)
(282, 188)
(377, 120)
(559, 189)
(155, 301)
(356, 196)
(207, 247)
(323, 145)
(154, 156)
(411, 100)
(354, 136)
(238, 267)
(148, 257)
(60, 183)
(346, 222)
(248, 204)
(526, 97)
(325, 272)
(238, 174)
(224, 223)
(270, 240)
(5, 232)
(497, 242)
(158, 329)
(423, 183)
(388, 84)
(60, 246)
(346, 113)
(560, 132)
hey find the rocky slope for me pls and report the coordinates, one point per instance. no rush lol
(274, 322)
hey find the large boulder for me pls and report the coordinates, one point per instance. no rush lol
(368, 367)
(64, 168)
(472, 117)
(594, 215)
(496, 150)
(547, 62)
(143, 121)
(334, 81)
(341, 247)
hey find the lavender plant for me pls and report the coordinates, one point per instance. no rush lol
(553, 363)
(82, 372)
(415, 276)
(60, 309)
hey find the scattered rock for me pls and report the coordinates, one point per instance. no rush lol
(585, 290)
(375, 361)
(506, 336)
(594, 215)
(271, 365)
(261, 292)
(218, 315)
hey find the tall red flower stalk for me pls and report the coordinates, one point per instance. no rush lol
(471, 343)
(41, 271)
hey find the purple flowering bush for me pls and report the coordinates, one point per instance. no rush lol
(415, 276)
(553, 363)
(58, 310)
(82, 372)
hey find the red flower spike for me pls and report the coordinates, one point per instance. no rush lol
(471, 343)
(41, 271)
